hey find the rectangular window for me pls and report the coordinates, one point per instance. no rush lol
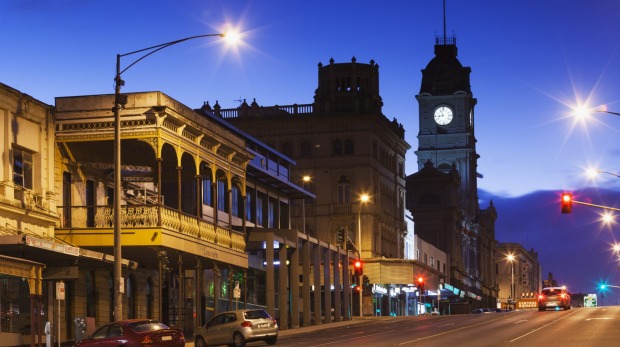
(432, 261)
(236, 195)
(248, 207)
(259, 210)
(272, 214)
(22, 168)
(221, 196)
(207, 192)
(343, 194)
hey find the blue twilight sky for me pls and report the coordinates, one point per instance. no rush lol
(529, 59)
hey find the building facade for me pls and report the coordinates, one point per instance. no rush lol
(443, 194)
(348, 148)
(520, 279)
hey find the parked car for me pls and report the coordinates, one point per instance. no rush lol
(554, 297)
(236, 328)
(135, 333)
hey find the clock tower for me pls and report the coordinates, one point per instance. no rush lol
(446, 116)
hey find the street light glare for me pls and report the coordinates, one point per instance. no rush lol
(232, 37)
(364, 198)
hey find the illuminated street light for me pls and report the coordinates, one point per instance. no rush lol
(511, 259)
(616, 247)
(304, 180)
(119, 102)
(583, 112)
(593, 172)
(364, 198)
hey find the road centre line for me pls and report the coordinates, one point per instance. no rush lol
(546, 325)
(355, 338)
(445, 325)
(449, 331)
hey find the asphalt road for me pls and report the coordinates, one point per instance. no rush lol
(575, 327)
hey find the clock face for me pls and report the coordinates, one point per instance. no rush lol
(443, 115)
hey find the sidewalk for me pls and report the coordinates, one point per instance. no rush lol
(313, 328)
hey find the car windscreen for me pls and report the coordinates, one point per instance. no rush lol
(256, 314)
(147, 326)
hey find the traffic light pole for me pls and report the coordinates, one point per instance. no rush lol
(594, 205)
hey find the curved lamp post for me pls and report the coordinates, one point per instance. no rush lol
(119, 102)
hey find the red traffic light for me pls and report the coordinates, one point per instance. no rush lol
(359, 268)
(420, 284)
(567, 202)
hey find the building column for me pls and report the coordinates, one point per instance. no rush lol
(306, 293)
(217, 288)
(283, 281)
(199, 290)
(327, 284)
(198, 193)
(346, 284)
(337, 289)
(270, 276)
(181, 295)
(317, 282)
(179, 188)
(159, 197)
(294, 283)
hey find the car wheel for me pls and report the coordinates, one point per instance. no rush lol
(541, 309)
(271, 340)
(567, 307)
(238, 340)
(200, 342)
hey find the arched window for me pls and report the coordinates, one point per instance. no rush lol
(343, 190)
(306, 149)
(131, 296)
(337, 145)
(348, 147)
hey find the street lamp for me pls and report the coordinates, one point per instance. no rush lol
(511, 259)
(364, 198)
(593, 172)
(119, 102)
(304, 180)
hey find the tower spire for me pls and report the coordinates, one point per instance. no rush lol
(444, 20)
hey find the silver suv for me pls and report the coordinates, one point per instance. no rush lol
(236, 328)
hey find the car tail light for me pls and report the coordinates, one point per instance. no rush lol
(274, 321)
(246, 324)
(563, 296)
(181, 336)
(540, 296)
(147, 340)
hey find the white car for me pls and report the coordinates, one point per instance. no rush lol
(236, 328)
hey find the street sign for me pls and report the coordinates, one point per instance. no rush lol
(590, 300)
(237, 291)
(60, 290)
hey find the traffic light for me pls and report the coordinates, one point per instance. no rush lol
(567, 202)
(340, 235)
(421, 284)
(359, 268)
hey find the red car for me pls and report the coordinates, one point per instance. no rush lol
(135, 333)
